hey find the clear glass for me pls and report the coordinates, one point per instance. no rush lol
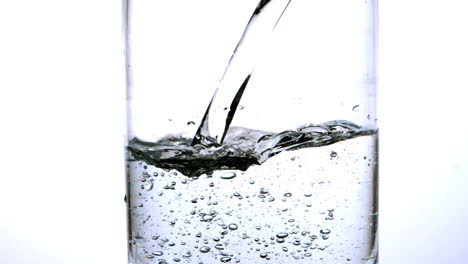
(252, 131)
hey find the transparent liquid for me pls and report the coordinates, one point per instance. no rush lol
(314, 204)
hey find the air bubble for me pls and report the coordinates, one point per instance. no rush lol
(219, 247)
(148, 186)
(225, 259)
(204, 249)
(282, 235)
(228, 175)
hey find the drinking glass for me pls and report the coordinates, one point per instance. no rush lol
(252, 131)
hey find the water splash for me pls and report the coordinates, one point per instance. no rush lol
(216, 120)
(242, 148)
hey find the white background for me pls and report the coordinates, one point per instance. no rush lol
(61, 131)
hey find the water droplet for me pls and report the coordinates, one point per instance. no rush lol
(252, 182)
(271, 199)
(149, 257)
(263, 255)
(224, 232)
(155, 174)
(225, 259)
(325, 231)
(190, 123)
(233, 227)
(158, 253)
(228, 175)
(355, 108)
(198, 235)
(155, 237)
(176, 259)
(287, 194)
(204, 249)
(325, 237)
(211, 184)
(171, 244)
(333, 154)
(280, 240)
(285, 249)
(307, 255)
(307, 194)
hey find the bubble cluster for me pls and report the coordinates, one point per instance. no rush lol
(273, 213)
